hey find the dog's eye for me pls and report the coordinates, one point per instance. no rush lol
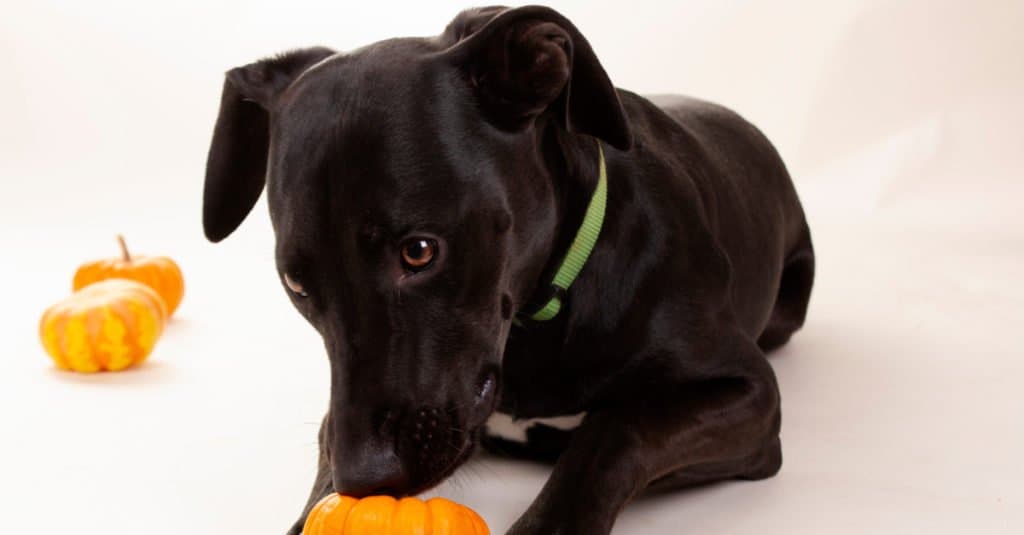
(294, 286)
(418, 253)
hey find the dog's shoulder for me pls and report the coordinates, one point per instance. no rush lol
(703, 117)
(733, 149)
(682, 107)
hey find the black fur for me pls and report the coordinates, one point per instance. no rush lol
(483, 140)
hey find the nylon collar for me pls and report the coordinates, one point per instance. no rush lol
(579, 251)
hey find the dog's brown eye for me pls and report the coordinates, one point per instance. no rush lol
(294, 286)
(418, 253)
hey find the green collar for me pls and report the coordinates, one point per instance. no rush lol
(579, 251)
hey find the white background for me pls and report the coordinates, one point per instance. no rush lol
(900, 122)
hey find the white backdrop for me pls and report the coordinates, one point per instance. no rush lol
(900, 122)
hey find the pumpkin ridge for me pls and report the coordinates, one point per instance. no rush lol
(62, 322)
(91, 321)
(348, 511)
(428, 520)
(145, 337)
(51, 341)
(148, 330)
(153, 300)
(314, 524)
(95, 322)
(369, 515)
(116, 330)
(131, 325)
(76, 345)
(389, 518)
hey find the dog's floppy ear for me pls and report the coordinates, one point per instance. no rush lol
(527, 61)
(237, 162)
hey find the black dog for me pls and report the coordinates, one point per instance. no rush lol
(424, 193)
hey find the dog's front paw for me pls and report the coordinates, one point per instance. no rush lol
(297, 528)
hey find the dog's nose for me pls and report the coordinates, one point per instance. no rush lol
(374, 483)
(379, 472)
(405, 452)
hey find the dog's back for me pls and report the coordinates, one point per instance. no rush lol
(747, 200)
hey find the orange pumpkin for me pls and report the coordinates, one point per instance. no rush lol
(158, 272)
(109, 325)
(383, 515)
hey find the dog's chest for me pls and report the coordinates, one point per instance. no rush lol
(504, 427)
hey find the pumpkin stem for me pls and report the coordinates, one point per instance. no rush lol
(124, 249)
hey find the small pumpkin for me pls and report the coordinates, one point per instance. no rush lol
(109, 325)
(384, 515)
(158, 272)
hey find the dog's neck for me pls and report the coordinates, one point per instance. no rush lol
(573, 162)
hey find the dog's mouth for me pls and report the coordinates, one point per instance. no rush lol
(465, 452)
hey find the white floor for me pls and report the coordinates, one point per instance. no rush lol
(903, 405)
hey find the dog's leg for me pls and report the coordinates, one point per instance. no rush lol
(794, 294)
(700, 430)
(763, 463)
(322, 486)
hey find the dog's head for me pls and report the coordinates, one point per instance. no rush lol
(414, 212)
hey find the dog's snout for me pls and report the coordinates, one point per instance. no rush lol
(425, 426)
(369, 471)
(401, 452)
(372, 483)
(429, 432)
